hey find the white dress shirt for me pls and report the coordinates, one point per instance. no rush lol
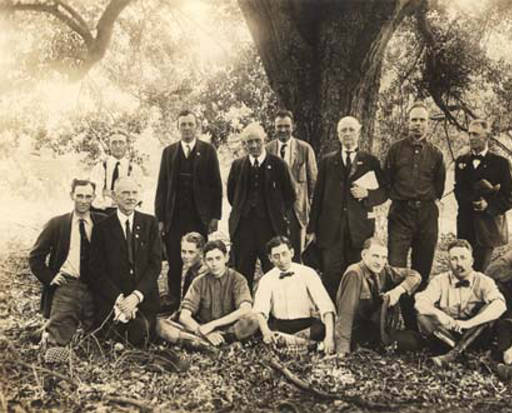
(191, 146)
(72, 264)
(353, 153)
(287, 150)
(122, 219)
(300, 295)
(260, 158)
(476, 162)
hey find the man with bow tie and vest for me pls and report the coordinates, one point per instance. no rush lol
(350, 183)
(105, 173)
(125, 262)
(483, 189)
(59, 259)
(300, 158)
(457, 308)
(291, 299)
(415, 175)
(261, 194)
(188, 196)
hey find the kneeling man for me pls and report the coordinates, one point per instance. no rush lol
(458, 305)
(218, 304)
(125, 264)
(290, 296)
(362, 289)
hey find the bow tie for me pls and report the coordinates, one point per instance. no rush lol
(462, 283)
(285, 274)
(477, 157)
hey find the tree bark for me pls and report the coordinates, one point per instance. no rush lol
(323, 58)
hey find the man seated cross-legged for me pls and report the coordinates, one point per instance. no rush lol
(290, 297)
(360, 296)
(458, 307)
(218, 304)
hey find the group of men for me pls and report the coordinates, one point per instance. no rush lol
(280, 202)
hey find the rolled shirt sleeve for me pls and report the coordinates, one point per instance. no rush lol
(490, 291)
(319, 294)
(430, 295)
(263, 297)
(241, 292)
(192, 298)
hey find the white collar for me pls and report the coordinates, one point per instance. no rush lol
(122, 218)
(87, 218)
(191, 145)
(113, 160)
(483, 153)
(288, 143)
(261, 158)
(352, 151)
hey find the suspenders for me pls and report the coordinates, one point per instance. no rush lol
(130, 168)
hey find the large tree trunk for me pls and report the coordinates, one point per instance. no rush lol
(323, 58)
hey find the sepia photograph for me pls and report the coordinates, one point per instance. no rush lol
(255, 206)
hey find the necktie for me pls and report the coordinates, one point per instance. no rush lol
(348, 162)
(283, 150)
(115, 175)
(256, 163)
(187, 150)
(84, 247)
(477, 157)
(285, 274)
(129, 241)
(462, 283)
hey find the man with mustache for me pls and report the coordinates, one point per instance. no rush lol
(458, 306)
(415, 175)
(483, 189)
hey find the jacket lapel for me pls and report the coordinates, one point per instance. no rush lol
(294, 153)
(138, 230)
(339, 166)
(355, 165)
(198, 154)
(174, 161)
(67, 232)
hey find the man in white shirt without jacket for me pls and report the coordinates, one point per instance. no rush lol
(105, 173)
(290, 297)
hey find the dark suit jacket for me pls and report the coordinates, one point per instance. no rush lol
(489, 227)
(207, 183)
(279, 191)
(333, 201)
(304, 171)
(53, 242)
(109, 273)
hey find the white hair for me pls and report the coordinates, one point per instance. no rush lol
(348, 119)
(253, 128)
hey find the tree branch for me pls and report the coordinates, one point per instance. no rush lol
(58, 10)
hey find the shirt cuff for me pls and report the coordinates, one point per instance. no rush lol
(139, 295)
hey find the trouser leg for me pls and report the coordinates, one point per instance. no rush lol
(482, 257)
(64, 315)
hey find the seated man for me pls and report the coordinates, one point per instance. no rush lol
(290, 296)
(125, 264)
(458, 305)
(217, 305)
(59, 260)
(360, 295)
(500, 270)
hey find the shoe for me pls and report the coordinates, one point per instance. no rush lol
(443, 361)
(504, 372)
(507, 356)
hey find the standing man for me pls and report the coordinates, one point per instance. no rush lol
(301, 160)
(261, 194)
(459, 306)
(415, 174)
(125, 264)
(105, 173)
(483, 189)
(188, 195)
(66, 299)
(350, 183)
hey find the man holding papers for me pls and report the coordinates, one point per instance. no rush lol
(350, 183)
